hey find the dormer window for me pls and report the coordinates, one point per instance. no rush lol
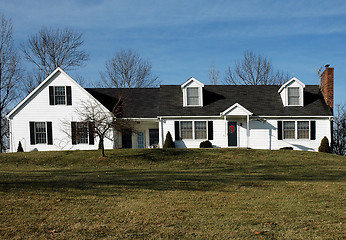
(293, 96)
(192, 93)
(192, 96)
(292, 93)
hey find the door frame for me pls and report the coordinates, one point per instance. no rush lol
(237, 130)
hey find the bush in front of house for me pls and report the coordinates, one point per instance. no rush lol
(206, 144)
(324, 146)
(286, 148)
(20, 147)
(169, 141)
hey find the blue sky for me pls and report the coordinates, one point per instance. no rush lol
(183, 38)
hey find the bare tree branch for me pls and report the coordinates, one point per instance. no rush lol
(339, 131)
(51, 48)
(214, 74)
(254, 70)
(128, 70)
(10, 73)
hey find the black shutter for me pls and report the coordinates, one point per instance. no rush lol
(69, 95)
(91, 133)
(74, 133)
(279, 130)
(210, 130)
(32, 133)
(313, 130)
(49, 133)
(51, 95)
(176, 130)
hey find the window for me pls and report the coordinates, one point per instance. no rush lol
(303, 129)
(186, 129)
(153, 137)
(60, 95)
(289, 129)
(192, 96)
(293, 96)
(82, 132)
(40, 132)
(200, 130)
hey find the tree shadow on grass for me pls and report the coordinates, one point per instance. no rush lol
(137, 179)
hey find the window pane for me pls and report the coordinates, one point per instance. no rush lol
(186, 129)
(289, 129)
(303, 129)
(200, 130)
(82, 132)
(192, 96)
(293, 96)
(59, 95)
(40, 132)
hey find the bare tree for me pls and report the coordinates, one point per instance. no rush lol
(51, 48)
(128, 70)
(9, 76)
(254, 70)
(103, 121)
(339, 131)
(214, 74)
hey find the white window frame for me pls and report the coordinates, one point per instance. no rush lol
(46, 135)
(65, 95)
(299, 96)
(296, 130)
(77, 133)
(193, 125)
(198, 96)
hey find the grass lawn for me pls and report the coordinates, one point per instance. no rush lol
(172, 194)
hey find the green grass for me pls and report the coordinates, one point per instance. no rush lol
(172, 194)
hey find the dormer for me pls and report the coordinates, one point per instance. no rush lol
(192, 93)
(292, 93)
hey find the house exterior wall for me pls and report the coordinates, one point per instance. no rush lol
(263, 135)
(37, 109)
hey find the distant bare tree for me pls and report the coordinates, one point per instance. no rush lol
(254, 70)
(51, 48)
(214, 74)
(104, 121)
(339, 131)
(10, 73)
(128, 70)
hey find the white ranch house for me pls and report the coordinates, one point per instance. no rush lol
(261, 117)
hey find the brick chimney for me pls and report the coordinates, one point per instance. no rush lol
(327, 86)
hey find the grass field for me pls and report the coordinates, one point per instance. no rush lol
(172, 194)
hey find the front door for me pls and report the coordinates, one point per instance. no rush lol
(126, 140)
(232, 134)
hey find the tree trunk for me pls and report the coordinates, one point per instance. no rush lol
(102, 147)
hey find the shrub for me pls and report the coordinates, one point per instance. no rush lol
(324, 146)
(20, 148)
(206, 144)
(169, 141)
(286, 148)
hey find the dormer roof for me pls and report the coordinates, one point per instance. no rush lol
(192, 79)
(294, 79)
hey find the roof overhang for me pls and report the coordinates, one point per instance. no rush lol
(236, 110)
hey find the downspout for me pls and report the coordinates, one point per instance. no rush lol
(247, 130)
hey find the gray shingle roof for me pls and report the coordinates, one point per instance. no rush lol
(167, 101)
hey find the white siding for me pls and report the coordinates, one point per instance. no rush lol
(37, 109)
(263, 135)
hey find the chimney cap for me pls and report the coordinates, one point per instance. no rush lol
(327, 65)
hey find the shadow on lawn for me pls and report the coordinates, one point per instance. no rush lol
(131, 179)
